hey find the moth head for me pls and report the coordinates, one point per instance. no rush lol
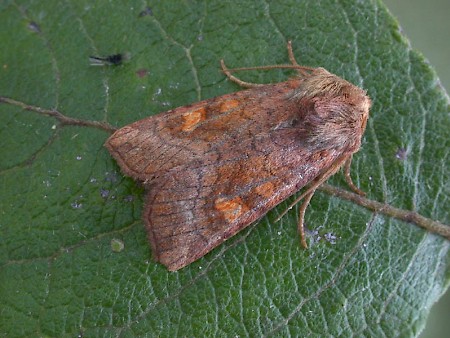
(338, 111)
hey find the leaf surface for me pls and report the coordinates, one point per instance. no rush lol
(66, 210)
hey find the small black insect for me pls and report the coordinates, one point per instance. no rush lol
(110, 60)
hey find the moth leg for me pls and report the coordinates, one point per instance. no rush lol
(236, 80)
(317, 182)
(309, 193)
(301, 218)
(348, 177)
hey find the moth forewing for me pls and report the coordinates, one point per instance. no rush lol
(213, 167)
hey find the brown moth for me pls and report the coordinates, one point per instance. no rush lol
(213, 167)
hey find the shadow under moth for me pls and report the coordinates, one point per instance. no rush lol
(213, 167)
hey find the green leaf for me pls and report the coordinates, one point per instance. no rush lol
(65, 209)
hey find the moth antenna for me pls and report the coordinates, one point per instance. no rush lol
(235, 79)
(291, 54)
(302, 70)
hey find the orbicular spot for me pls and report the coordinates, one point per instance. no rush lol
(229, 105)
(266, 189)
(193, 118)
(231, 209)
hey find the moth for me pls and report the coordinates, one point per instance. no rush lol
(213, 167)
